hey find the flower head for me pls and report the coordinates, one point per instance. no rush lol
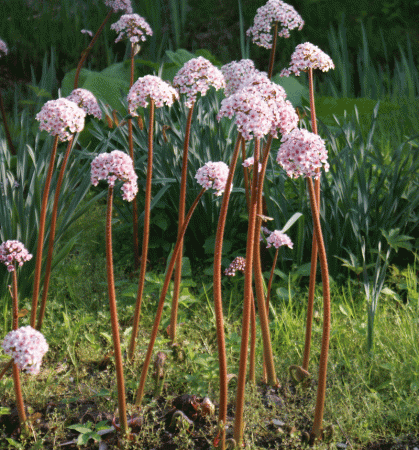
(284, 117)
(301, 152)
(116, 5)
(87, 32)
(196, 76)
(213, 175)
(252, 114)
(235, 73)
(85, 100)
(308, 56)
(248, 162)
(27, 347)
(266, 17)
(12, 252)
(61, 118)
(152, 87)
(238, 263)
(114, 166)
(277, 239)
(3, 48)
(133, 26)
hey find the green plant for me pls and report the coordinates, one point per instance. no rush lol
(89, 431)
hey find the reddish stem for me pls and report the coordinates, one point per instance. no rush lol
(272, 56)
(53, 227)
(114, 318)
(238, 422)
(146, 235)
(314, 248)
(131, 153)
(87, 50)
(16, 376)
(321, 388)
(218, 301)
(182, 200)
(41, 233)
(140, 390)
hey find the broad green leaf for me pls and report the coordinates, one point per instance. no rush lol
(396, 240)
(296, 92)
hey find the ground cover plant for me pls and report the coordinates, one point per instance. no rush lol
(231, 366)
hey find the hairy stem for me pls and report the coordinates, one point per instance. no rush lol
(182, 200)
(140, 390)
(114, 318)
(41, 233)
(53, 227)
(272, 56)
(218, 302)
(238, 422)
(86, 52)
(146, 234)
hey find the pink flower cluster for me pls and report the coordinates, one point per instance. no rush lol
(3, 48)
(213, 175)
(308, 56)
(284, 116)
(87, 32)
(238, 263)
(116, 5)
(263, 232)
(133, 26)
(61, 118)
(27, 347)
(248, 162)
(12, 252)
(252, 114)
(152, 87)
(196, 76)
(266, 17)
(114, 166)
(277, 239)
(85, 100)
(301, 152)
(235, 73)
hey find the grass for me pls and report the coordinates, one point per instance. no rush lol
(369, 396)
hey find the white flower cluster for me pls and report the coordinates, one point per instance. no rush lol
(301, 153)
(85, 100)
(152, 87)
(133, 26)
(27, 347)
(116, 5)
(278, 238)
(266, 17)
(12, 252)
(61, 118)
(114, 166)
(213, 175)
(308, 56)
(235, 73)
(3, 48)
(196, 76)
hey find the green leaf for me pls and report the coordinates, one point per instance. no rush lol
(80, 428)
(296, 91)
(291, 221)
(396, 240)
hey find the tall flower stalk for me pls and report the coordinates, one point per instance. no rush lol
(135, 28)
(88, 103)
(153, 90)
(116, 5)
(307, 57)
(13, 253)
(195, 77)
(212, 175)
(112, 167)
(60, 118)
(304, 153)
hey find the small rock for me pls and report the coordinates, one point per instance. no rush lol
(341, 445)
(278, 423)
